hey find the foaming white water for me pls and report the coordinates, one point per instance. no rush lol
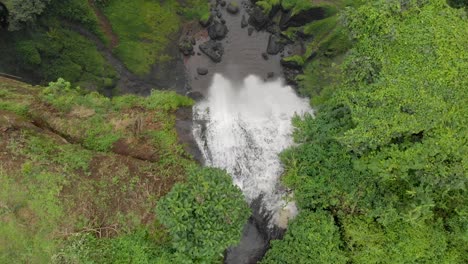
(242, 128)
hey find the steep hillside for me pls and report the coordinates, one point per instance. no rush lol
(77, 166)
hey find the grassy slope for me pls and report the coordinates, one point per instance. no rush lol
(144, 29)
(78, 163)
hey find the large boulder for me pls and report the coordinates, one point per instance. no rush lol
(214, 50)
(217, 31)
(306, 16)
(258, 19)
(275, 45)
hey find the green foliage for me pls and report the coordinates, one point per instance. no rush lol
(397, 242)
(311, 238)
(29, 212)
(300, 5)
(296, 59)
(197, 9)
(204, 216)
(144, 28)
(141, 246)
(62, 53)
(100, 136)
(386, 153)
(78, 11)
(17, 108)
(267, 5)
(24, 12)
(59, 194)
(29, 52)
(166, 101)
(158, 100)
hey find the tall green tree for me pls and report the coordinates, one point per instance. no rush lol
(204, 216)
(25, 12)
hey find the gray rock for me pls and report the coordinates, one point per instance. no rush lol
(265, 56)
(244, 22)
(214, 50)
(270, 75)
(258, 19)
(250, 30)
(232, 8)
(202, 71)
(197, 96)
(275, 45)
(291, 19)
(217, 31)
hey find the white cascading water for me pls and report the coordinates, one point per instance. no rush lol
(242, 128)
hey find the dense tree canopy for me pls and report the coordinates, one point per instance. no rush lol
(387, 153)
(24, 12)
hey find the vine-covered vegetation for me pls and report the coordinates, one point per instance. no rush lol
(382, 168)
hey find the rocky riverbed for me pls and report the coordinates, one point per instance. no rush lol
(238, 40)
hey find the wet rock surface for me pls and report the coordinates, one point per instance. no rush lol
(202, 71)
(258, 19)
(214, 50)
(275, 44)
(217, 30)
(290, 19)
(244, 22)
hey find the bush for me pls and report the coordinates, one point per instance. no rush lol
(204, 216)
(311, 238)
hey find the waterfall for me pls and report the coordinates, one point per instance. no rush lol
(242, 127)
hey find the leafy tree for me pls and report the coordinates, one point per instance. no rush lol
(311, 238)
(204, 216)
(24, 12)
(386, 154)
